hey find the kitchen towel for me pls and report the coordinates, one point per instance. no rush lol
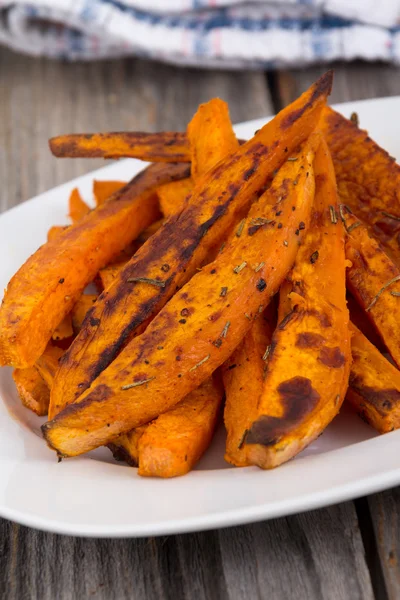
(205, 33)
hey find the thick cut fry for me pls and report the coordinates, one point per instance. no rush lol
(368, 178)
(153, 147)
(48, 363)
(80, 309)
(64, 329)
(32, 390)
(77, 206)
(309, 360)
(200, 326)
(102, 190)
(172, 196)
(55, 231)
(172, 444)
(125, 447)
(374, 280)
(374, 385)
(243, 377)
(210, 135)
(50, 282)
(172, 255)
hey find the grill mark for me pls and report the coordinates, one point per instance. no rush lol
(382, 400)
(332, 357)
(299, 398)
(307, 339)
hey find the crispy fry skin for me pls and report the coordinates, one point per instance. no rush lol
(210, 136)
(200, 326)
(243, 377)
(309, 361)
(78, 313)
(172, 255)
(64, 329)
(173, 195)
(55, 231)
(47, 364)
(372, 281)
(32, 390)
(171, 445)
(102, 190)
(125, 447)
(149, 231)
(77, 206)
(368, 178)
(53, 278)
(374, 385)
(153, 147)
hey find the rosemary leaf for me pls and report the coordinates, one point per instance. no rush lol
(333, 214)
(205, 359)
(240, 267)
(155, 282)
(375, 299)
(390, 216)
(266, 353)
(259, 267)
(136, 383)
(240, 228)
(225, 329)
(223, 291)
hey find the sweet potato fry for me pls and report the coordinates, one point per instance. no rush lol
(125, 447)
(77, 206)
(53, 278)
(374, 385)
(102, 190)
(153, 147)
(210, 136)
(80, 309)
(200, 326)
(374, 280)
(32, 390)
(243, 377)
(172, 444)
(55, 231)
(173, 195)
(110, 272)
(368, 178)
(64, 329)
(309, 360)
(48, 363)
(172, 255)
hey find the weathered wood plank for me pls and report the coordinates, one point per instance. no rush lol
(355, 81)
(317, 555)
(41, 98)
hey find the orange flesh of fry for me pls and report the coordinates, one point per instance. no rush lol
(102, 190)
(32, 390)
(77, 207)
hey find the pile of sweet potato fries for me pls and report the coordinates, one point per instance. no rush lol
(225, 271)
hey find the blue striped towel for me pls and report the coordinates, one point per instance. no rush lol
(210, 33)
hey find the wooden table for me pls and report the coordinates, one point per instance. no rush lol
(349, 551)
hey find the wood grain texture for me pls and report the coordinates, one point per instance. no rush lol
(317, 555)
(354, 81)
(40, 99)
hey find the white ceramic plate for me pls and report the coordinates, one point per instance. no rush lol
(95, 496)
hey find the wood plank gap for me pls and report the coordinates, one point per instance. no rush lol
(371, 549)
(272, 81)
